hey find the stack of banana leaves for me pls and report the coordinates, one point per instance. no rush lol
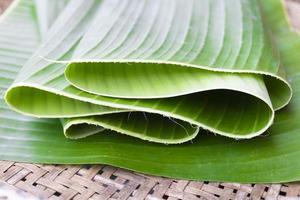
(201, 90)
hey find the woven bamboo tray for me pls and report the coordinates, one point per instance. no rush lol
(34, 181)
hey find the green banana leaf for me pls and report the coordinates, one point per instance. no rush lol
(167, 76)
(172, 84)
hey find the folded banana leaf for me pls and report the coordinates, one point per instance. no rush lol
(134, 76)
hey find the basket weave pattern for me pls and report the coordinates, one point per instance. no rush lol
(105, 182)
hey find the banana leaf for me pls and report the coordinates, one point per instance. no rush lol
(163, 71)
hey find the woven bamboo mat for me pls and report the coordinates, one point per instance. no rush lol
(105, 182)
(34, 181)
